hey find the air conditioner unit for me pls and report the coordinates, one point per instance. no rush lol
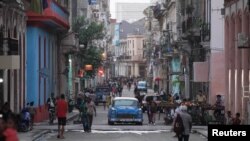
(243, 41)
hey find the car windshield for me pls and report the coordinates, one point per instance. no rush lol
(125, 103)
(141, 84)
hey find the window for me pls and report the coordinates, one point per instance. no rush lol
(133, 103)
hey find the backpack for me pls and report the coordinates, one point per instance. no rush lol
(83, 107)
(178, 125)
(153, 107)
(91, 108)
(51, 102)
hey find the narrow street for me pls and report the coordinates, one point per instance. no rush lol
(103, 131)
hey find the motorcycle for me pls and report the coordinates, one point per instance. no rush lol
(24, 121)
(51, 115)
(169, 118)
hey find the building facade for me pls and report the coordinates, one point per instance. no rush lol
(135, 66)
(216, 58)
(12, 53)
(237, 54)
(43, 49)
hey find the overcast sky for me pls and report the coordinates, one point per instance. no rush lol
(112, 4)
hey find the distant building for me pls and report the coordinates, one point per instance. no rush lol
(130, 12)
(129, 44)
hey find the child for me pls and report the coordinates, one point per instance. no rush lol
(236, 120)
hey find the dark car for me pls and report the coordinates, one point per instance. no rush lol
(151, 97)
(100, 94)
(142, 86)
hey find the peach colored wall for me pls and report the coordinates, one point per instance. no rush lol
(200, 71)
(217, 75)
(237, 60)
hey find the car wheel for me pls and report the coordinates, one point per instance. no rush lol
(110, 123)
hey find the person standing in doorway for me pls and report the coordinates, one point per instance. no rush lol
(61, 108)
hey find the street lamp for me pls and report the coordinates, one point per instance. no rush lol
(1, 80)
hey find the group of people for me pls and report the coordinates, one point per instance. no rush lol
(230, 120)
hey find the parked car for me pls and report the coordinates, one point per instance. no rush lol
(125, 110)
(142, 86)
(150, 97)
(100, 94)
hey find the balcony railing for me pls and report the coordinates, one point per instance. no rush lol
(158, 12)
(229, 2)
(51, 13)
(190, 23)
(205, 32)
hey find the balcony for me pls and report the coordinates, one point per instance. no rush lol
(192, 26)
(205, 32)
(169, 3)
(95, 8)
(158, 11)
(229, 2)
(137, 58)
(52, 15)
(124, 58)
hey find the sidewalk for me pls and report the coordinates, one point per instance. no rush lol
(36, 133)
(201, 131)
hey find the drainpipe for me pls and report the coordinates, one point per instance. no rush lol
(5, 73)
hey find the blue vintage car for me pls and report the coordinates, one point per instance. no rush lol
(125, 110)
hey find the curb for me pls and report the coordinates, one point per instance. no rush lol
(37, 137)
(41, 134)
(198, 132)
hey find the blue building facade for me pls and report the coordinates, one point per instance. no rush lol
(41, 64)
(42, 52)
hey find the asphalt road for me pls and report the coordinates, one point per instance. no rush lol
(104, 132)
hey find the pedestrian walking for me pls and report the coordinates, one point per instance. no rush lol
(149, 113)
(51, 103)
(91, 110)
(85, 120)
(108, 100)
(2, 127)
(153, 111)
(32, 112)
(10, 132)
(183, 124)
(229, 118)
(104, 99)
(61, 109)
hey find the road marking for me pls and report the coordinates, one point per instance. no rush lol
(123, 132)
